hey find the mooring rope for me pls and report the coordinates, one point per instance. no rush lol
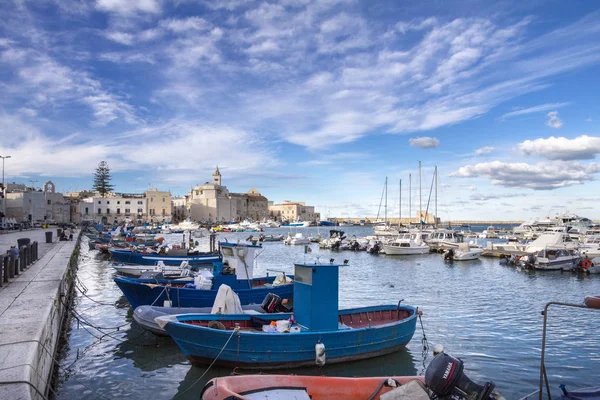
(424, 342)
(235, 330)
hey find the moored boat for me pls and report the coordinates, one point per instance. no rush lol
(151, 257)
(316, 329)
(236, 271)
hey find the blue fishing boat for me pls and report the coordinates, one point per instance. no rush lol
(174, 257)
(316, 332)
(236, 271)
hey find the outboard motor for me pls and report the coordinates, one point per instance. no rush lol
(449, 256)
(445, 378)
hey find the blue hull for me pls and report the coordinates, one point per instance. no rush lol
(129, 257)
(140, 292)
(255, 349)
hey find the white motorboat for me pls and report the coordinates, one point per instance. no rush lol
(590, 246)
(297, 239)
(464, 252)
(406, 244)
(552, 259)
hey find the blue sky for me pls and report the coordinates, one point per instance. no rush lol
(314, 101)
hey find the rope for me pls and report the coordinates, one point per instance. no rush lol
(424, 343)
(235, 330)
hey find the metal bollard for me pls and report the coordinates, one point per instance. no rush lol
(22, 258)
(35, 250)
(3, 270)
(11, 265)
(30, 254)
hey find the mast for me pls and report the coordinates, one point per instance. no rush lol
(400, 206)
(436, 187)
(420, 196)
(385, 209)
(409, 199)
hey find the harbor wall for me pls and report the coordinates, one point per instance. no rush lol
(33, 308)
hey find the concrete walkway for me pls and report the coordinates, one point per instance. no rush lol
(9, 238)
(31, 312)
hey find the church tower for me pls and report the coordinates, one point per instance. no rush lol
(217, 177)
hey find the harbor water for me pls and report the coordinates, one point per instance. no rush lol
(487, 314)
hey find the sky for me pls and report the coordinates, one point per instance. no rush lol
(315, 101)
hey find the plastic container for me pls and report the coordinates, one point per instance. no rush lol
(283, 325)
(269, 328)
(202, 283)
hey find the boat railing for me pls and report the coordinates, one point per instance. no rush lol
(543, 376)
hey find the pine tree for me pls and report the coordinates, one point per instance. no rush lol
(102, 179)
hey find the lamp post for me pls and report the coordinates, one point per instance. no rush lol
(3, 188)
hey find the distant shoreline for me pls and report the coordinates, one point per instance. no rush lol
(414, 221)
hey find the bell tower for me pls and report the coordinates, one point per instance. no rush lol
(217, 177)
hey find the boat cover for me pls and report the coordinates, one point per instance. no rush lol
(411, 390)
(227, 302)
(581, 394)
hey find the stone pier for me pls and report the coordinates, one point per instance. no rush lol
(32, 309)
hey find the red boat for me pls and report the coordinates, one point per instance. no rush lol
(245, 387)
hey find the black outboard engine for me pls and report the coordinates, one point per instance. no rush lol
(445, 378)
(449, 256)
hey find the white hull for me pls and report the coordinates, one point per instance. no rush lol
(468, 255)
(401, 251)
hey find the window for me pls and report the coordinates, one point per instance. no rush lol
(127, 211)
(163, 199)
(140, 211)
(151, 211)
(151, 199)
(99, 211)
(118, 202)
(108, 210)
(118, 211)
(164, 212)
(99, 202)
(86, 211)
(139, 202)
(49, 202)
(107, 202)
(127, 202)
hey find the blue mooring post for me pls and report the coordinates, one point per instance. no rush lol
(316, 296)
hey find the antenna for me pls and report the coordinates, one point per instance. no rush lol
(33, 183)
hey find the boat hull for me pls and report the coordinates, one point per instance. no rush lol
(405, 251)
(141, 292)
(129, 257)
(258, 350)
(319, 387)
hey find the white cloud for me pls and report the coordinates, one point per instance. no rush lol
(424, 142)
(553, 120)
(35, 153)
(129, 6)
(484, 150)
(186, 24)
(588, 120)
(535, 109)
(560, 148)
(120, 37)
(540, 176)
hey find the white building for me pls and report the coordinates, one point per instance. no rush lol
(38, 206)
(211, 202)
(112, 209)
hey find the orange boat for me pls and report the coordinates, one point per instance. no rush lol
(245, 387)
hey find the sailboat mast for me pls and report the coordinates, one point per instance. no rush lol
(436, 185)
(420, 195)
(385, 209)
(409, 199)
(400, 206)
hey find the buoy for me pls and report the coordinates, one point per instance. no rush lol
(592, 301)
(320, 354)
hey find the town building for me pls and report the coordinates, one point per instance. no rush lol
(115, 208)
(30, 205)
(158, 205)
(212, 202)
(179, 209)
(293, 211)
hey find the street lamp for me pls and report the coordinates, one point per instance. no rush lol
(3, 188)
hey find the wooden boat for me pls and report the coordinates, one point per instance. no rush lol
(245, 387)
(234, 271)
(168, 271)
(316, 328)
(174, 257)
